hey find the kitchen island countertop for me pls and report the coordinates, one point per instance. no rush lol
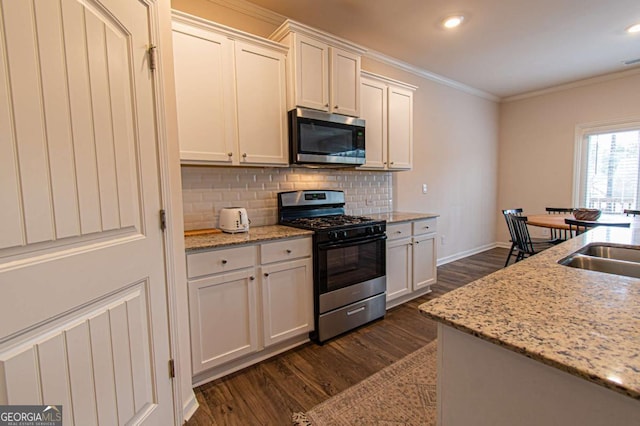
(256, 234)
(583, 322)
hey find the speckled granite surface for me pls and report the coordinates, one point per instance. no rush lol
(259, 233)
(584, 322)
(395, 217)
(275, 232)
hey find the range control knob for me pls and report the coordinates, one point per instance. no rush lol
(333, 235)
(343, 234)
(370, 230)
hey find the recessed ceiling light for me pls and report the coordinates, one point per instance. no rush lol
(452, 21)
(634, 29)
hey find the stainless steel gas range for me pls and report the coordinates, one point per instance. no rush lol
(349, 252)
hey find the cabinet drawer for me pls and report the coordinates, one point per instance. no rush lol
(398, 230)
(285, 250)
(215, 261)
(425, 226)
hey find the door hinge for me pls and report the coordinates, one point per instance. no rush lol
(172, 369)
(152, 57)
(163, 219)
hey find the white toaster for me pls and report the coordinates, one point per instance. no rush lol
(234, 219)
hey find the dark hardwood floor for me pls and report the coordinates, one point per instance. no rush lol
(267, 393)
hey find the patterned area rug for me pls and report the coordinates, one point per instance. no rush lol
(404, 393)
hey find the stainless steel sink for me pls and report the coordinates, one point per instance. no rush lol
(606, 258)
(612, 252)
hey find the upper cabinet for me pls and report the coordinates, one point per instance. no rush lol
(324, 71)
(387, 108)
(230, 94)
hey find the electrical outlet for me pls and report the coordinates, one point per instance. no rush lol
(424, 188)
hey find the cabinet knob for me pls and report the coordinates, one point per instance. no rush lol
(417, 242)
(224, 261)
(326, 105)
(266, 274)
(244, 155)
(392, 163)
(426, 227)
(384, 163)
(335, 107)
(288, 251)
(398, 232)
(230, 154)
(252, 278)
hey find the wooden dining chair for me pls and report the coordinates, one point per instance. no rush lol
(506, 213)
(559, 234)
(633, 213)
(525, 245)
(577, 227)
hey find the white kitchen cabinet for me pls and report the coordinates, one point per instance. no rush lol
(230, 95)
(324, 71)
(287, 299)
(246, 300)
(387, 108)
(223, 316)
(411, 259)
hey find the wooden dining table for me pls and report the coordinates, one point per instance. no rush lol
(556, 221)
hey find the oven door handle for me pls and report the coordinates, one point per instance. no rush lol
(349, 243)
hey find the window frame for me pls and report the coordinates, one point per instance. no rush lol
(582, 132)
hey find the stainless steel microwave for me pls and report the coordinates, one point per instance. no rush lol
(318, 138)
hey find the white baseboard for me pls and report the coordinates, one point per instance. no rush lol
(466, 253)
(189, 407)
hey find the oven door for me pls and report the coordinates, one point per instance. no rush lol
(346, 263)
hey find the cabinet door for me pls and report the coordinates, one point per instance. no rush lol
(205, 99)
(345, 82)
(223, 318)
(424, 261)
(373, 108)
(399, 268)
(287, 300)
(262, 109)
(400, 128)
(311, 73)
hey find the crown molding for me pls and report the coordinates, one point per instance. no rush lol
(573, 85)
(252, 10)
(269, 16)
(421, 72)
(387, 80)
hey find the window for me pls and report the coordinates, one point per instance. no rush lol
(608, 166)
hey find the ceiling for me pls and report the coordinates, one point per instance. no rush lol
(504, 47)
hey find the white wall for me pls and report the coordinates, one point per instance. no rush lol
(537, 137)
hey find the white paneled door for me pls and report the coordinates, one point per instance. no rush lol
(83, 310)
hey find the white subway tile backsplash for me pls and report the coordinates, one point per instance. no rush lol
(206, 190)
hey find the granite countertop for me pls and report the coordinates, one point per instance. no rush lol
(257, 234)
(395, 217)
(583, 322)
(275, 232)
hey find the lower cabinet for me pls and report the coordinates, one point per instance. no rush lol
(411, 259)
(244, 300)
